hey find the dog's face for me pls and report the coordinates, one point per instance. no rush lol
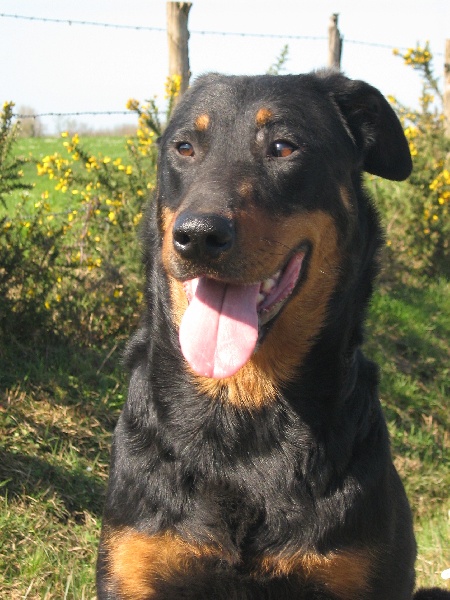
(257, 210)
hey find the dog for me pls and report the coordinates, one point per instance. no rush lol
(251, 460)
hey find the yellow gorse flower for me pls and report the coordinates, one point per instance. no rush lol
(418, 56)
(132, 104)
(172, 86)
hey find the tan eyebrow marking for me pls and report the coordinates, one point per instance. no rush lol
(202, 122)
(263, 116)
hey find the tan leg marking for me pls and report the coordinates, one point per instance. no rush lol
(136, 560)
(345, 573)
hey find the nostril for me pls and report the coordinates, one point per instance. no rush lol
(219, 241)
(181, 238)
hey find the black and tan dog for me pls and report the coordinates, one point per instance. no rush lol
(251, 460)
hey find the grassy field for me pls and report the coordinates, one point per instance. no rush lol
(60, 399)
(409, 337)
(38, 148)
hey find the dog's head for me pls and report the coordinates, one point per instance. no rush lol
(259, 208)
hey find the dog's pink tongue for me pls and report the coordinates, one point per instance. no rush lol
(219, 330)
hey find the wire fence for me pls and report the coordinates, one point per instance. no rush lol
(73, 114)
(145, 28)
(200, 32)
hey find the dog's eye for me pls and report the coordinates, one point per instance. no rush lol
(185, 149)
(281, 149)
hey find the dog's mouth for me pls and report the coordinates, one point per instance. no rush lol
(224, 321)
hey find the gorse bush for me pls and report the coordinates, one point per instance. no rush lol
(76, 273)
(69, 273)
(30, 271)
(417, 211)
(28, 246)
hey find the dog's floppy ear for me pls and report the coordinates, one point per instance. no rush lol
(374, 127)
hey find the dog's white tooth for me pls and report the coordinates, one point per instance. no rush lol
(268, 285)
(260, 297)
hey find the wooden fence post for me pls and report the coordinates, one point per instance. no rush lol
(335, 42)
(446, 103)
(178, 37)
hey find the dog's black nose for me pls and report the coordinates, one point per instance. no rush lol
(200, 236)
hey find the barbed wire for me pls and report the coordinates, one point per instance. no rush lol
(76, 22)
(201, 32)
(162, 29)
(74, 114)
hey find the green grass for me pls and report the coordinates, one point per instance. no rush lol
(37, 148)
(60, 398)
(59, 405)
(409, 337)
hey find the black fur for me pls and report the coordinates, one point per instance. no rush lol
(309, 472)
(432, 594)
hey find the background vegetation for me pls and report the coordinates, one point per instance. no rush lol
(70, 292)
